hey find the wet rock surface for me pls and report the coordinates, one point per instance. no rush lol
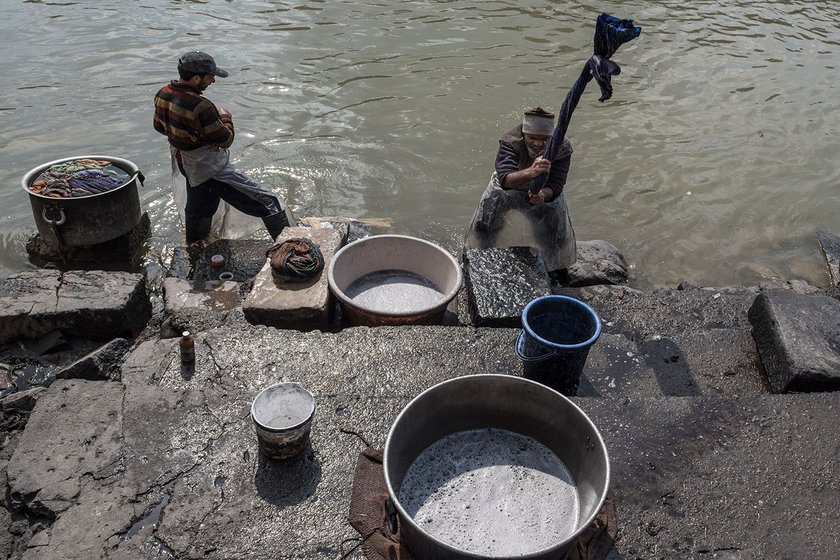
(161, 460)
(501, 282)
(101, 304)
(830, 246)
(170, 455)
(798, 339)
(598, 262)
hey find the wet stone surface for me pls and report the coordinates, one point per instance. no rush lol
(798, 339)
(597, 262)
(501, 282)
(830, 246)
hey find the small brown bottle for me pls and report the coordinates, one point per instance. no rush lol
(187, 344)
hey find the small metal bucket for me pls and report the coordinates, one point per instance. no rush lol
(282, 416)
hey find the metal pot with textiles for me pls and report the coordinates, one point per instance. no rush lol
(86, 220)
(494, 466)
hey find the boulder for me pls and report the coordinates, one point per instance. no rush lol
(102, 364)
(598, 262)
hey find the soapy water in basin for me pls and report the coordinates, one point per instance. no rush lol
(491, 492)
(393, 291)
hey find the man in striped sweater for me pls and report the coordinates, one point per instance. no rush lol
(199, 136)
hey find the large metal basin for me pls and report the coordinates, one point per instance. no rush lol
(87, 220)
(375, 261)
(509, 403)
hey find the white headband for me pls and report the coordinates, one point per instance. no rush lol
(537, 124)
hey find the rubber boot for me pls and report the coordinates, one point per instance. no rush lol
(197, 229)
(275, 224)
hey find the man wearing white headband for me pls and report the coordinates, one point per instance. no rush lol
(519, 162)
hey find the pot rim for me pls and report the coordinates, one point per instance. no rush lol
(309, 418)
(342, 297)
(405, 518)
(126, 165)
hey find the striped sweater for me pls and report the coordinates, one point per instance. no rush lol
(189, 120)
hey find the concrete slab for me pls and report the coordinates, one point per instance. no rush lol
(177, 473)
(194, 308)
(798, 339)
(287, 305)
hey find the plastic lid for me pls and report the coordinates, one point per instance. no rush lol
(185, 334)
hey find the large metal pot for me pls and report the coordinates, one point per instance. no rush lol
(399, 254)
(505, 402)
(87, 220)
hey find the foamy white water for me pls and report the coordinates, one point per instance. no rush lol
(491, 492)
(394, 291)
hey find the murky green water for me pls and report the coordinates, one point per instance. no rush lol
(714, 161)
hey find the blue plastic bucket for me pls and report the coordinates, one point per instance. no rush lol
(557, 332)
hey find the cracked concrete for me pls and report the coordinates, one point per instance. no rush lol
(162, 460)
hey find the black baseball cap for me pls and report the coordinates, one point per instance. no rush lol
(200, 63)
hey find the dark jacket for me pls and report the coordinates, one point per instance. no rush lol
(513, 156)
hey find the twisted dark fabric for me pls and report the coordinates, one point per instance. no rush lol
(295, 260)
(610, 33)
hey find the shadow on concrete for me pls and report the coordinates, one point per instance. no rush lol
(289, 482)
(670, 367)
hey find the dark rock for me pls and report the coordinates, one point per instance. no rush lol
(27, 305)
(54, 340)
(100, 365)
(123, 253)
(597, 262)
(100, 304)
(830, 245)
(798, 339)
(23, 401)
(500, 282)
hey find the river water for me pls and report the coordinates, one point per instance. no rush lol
(714, 162)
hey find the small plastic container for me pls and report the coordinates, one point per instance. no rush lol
(217, 261)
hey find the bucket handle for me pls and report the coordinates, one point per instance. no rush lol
(61, 217)
(520, 342)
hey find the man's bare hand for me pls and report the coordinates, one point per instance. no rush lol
(540, 166)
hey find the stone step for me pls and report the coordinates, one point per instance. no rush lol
(97, 304)
(728, 477)
(295, 305)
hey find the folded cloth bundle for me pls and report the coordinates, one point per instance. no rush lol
(295, 260)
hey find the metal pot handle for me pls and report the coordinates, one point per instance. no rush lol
(61, 217)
